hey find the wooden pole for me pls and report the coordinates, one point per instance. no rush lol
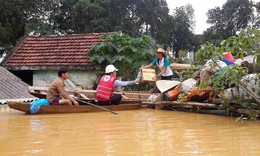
(242, 86)
(91, 104)
(178, 103)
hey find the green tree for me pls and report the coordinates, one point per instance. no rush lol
(38, 27)
(85, 16)
(79, 16)
(234, 16)
(165, 31)
(182, 35)
(136, 18)
(257, 17)
(123, 16)
(15, 14)
(125, 52)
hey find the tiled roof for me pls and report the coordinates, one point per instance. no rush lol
(67, 50)
(13, 88)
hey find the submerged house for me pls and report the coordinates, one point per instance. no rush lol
(13, 88)
(36, 59)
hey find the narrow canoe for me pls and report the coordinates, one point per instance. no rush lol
(54, 109)
(140, 96)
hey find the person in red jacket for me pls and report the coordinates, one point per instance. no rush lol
(107, 86)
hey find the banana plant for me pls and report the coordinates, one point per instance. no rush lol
(126, 53)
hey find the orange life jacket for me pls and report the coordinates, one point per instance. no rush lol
(106, 88)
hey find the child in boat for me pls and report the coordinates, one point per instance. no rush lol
(57, 90)
(106, 88)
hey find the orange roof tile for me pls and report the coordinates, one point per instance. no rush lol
(67, 50)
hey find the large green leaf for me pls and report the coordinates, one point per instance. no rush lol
(124, 52)
(258, 59)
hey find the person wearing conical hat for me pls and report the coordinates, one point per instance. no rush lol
(163, 63)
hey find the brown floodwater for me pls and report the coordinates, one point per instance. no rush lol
(143, 132)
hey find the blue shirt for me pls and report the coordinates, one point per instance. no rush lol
(163, 63)
(166, 62)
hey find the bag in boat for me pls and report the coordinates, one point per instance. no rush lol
(229, 56)
(198, 95)
(36, 105)
(187, 85)
(154, 97)
(173, 94)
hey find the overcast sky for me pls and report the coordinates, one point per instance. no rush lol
(200, 7)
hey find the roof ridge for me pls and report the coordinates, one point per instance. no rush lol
(60, 35)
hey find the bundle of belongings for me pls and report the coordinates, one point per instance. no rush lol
(189, 89)
(36, 105)
(210, 68)
(251, 82)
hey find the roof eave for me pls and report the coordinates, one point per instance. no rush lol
(35, 68)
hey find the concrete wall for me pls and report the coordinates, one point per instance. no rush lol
(191, 56)
(82, 79)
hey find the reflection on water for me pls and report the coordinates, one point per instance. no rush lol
(141, 132)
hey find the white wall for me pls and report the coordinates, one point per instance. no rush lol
(80, 78)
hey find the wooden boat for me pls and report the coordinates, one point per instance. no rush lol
(135, 96)
(54, 109)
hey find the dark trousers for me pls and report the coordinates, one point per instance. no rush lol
(114, 100)
(166, 77)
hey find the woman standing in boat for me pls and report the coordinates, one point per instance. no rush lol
(57, 90)
(163, 63)
(107, 86)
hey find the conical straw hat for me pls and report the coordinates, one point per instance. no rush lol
(165, 85)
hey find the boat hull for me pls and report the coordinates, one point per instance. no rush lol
(55, 109)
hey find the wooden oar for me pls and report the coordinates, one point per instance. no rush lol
(91, 104)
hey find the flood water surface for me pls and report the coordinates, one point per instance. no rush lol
(139, 132)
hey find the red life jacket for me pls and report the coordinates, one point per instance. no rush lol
(106, 88)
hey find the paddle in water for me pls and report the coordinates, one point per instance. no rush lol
(91, 104)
